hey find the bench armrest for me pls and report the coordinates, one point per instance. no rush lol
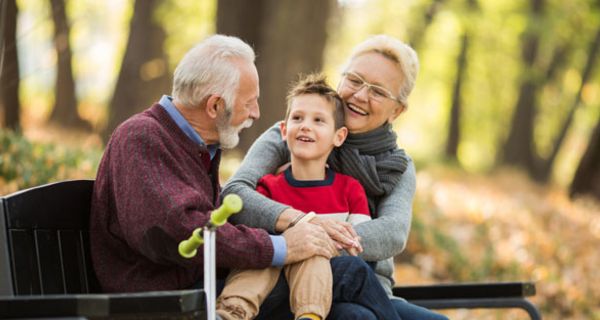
(466, 290)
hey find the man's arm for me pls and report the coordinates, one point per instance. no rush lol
(160, 197)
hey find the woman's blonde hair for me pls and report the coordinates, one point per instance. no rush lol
(398, 52)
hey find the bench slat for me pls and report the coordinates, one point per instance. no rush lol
(466, 290)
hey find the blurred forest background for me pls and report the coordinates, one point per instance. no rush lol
(504, 123)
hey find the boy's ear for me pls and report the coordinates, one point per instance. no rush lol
(212, 105)
(283, 130)
(340, 136)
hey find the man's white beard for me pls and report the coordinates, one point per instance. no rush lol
(229, 136)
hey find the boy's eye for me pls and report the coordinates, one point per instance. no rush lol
(318, 119)
(295, 117)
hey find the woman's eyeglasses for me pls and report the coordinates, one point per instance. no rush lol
(377, 93)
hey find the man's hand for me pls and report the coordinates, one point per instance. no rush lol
(342, 232)
(306, 240)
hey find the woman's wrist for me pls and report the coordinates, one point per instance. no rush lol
(286, 217)
(295, 221)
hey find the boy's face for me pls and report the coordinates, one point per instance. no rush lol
(310, 129)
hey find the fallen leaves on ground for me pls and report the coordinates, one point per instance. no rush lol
(503, 227)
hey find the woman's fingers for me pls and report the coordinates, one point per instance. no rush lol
(336, 230)
(342, 232)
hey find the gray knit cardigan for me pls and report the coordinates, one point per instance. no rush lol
(382, 238)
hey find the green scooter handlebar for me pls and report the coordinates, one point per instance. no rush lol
(231, 204)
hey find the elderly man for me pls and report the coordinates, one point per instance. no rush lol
(158, 181)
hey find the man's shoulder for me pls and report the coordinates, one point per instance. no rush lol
(142, 119)
(140, 124)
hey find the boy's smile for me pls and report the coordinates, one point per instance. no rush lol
(310, 129)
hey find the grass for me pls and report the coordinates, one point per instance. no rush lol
(25, 163)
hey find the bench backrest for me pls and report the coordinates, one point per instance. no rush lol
(44, 242)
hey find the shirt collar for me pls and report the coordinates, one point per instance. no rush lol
(167, 103)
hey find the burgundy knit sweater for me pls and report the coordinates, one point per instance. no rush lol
(154, 187)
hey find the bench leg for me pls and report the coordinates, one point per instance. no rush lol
(494, 303)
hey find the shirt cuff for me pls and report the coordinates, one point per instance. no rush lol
(279, 250)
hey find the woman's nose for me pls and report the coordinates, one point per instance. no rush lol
(362, 93)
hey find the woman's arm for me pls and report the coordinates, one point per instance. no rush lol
(386, 235)
(266, 154)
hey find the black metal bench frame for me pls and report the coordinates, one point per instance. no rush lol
(45, 269)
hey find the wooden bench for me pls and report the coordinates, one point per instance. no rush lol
(45, 268)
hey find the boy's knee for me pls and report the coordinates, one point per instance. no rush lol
(349, 264)
(350, 311)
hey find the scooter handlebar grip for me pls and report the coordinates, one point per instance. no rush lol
(232, 204)
(188, 248)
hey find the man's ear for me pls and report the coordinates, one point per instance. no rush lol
(212, 105)
(283, 130)
(340, 136)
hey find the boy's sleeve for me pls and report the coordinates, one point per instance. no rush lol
(262, 187)
(358, 205)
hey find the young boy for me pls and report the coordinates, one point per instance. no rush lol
(313, 126)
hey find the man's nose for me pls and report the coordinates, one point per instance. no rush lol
(255, 111)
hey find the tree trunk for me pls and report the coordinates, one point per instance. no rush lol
(456, 109)
(546, 168)
(144, 75)
(65, 103)
(587, 175)
(519, 148)
(289, 38)
(241, 18)
(9, 66)
(418, 32)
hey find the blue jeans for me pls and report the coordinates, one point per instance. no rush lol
(406, 311)
(409, 311)
(357, 294)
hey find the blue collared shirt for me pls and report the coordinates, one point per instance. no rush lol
(279, 244)
(167, 103)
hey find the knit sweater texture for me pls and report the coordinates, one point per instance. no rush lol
(153, 188)
(338, 196)
(382, 238)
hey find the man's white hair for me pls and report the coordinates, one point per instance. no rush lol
(397, 51)
(210, 68)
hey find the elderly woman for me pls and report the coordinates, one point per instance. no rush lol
(376, 83)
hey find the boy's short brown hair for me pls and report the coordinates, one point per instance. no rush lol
(315, 83)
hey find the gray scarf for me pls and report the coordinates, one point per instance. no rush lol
(374, 159)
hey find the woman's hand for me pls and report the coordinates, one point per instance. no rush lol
(342, 232)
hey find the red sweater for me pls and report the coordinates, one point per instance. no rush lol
(154, 187)
(338, 197)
